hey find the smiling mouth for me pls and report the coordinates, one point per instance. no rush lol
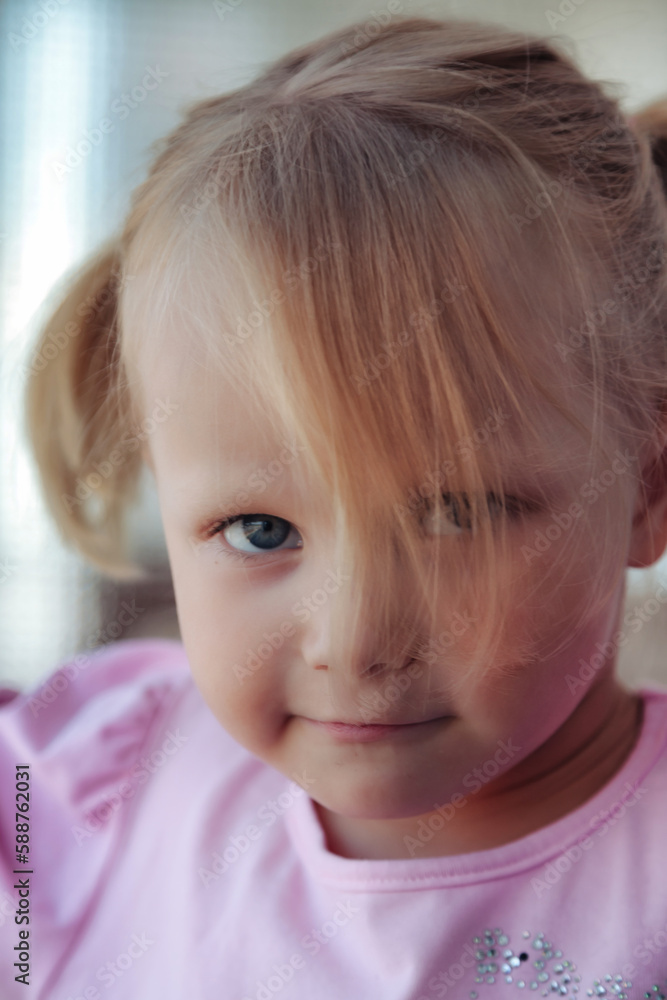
(366, 732)
(369, 725)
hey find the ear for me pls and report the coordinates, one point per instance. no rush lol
(648, 538)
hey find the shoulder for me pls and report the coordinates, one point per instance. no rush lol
(135, 668)
(67, 747)
(77, 729)
(125, 682)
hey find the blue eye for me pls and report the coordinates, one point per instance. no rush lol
(259, 532)
(250, 535)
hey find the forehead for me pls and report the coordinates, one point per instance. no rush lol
(217, 434)
(206, 298)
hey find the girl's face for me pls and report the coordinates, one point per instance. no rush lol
(257, 631)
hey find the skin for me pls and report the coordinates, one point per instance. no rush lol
(564, 747)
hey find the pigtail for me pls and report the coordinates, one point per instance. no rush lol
(79, 420)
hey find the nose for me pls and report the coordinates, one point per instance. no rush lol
(369, 658)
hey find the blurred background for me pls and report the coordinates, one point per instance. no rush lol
(67, 64)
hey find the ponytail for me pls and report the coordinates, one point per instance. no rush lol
(78, 418)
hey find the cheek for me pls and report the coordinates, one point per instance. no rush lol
(553, 613)
(242, 689)
(535, 606)
(234, 668)
(540, 641)
(214, 610)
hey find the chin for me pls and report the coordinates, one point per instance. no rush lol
(379, 800)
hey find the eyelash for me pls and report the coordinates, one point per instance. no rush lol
(235, 553)
(515, 507)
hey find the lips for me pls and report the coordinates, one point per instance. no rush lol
(369, 725)
(365, 733)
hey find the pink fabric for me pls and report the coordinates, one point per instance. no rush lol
(169, 863)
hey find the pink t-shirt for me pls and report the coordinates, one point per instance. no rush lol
(166, 862)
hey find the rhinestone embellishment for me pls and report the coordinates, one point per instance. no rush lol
(536, 966)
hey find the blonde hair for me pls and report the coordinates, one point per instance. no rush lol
(428, 223)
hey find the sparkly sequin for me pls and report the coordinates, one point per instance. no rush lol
(537, 965)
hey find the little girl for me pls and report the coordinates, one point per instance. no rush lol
(388, 326)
